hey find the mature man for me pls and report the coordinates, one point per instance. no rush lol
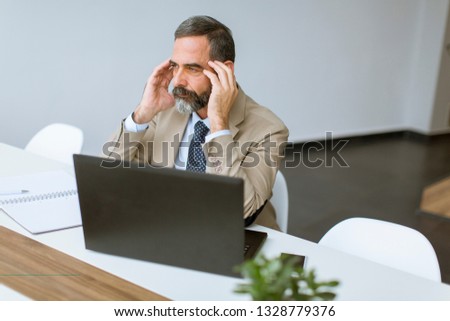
(243, 139)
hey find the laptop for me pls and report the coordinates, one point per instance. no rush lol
(164, 215)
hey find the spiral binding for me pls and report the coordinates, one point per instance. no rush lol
(38, 197)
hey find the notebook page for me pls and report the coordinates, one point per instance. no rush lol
(51, 203)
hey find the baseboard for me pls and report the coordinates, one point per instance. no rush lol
(406, 134)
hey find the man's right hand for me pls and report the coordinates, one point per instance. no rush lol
(156, 95)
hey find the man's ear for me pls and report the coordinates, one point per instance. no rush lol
(229, 64)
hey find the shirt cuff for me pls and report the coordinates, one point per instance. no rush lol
(131, 126)
(210, 137)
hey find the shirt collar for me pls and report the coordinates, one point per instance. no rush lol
(195, 118)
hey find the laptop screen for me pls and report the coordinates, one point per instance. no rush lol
(162, 215)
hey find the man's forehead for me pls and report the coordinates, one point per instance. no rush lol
(188, 50)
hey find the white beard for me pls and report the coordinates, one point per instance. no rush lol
(184, 107)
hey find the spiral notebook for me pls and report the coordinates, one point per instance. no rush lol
(50, 203)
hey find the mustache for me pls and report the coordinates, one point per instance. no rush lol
(180, 91)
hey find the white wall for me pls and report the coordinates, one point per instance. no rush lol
(426, 102)
(440, 121)
(348, 66)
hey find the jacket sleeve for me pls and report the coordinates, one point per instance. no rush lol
(130, 146)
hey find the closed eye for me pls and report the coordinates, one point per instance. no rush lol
(194, 68)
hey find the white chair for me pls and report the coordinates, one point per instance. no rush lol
(57, 141)
(386, 243)
(280, 201)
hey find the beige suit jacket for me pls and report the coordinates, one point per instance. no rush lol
(253, 151)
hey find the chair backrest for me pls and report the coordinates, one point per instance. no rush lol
(386, 243)
(280, 201)
(57, 141)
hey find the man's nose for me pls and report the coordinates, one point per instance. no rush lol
(179, 79)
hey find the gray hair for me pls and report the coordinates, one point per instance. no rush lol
(219, 36)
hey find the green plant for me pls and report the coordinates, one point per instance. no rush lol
(282, 279)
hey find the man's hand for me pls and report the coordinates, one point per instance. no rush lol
(156, 96)
(223, 93)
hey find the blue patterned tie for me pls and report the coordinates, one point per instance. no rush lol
(196, 161)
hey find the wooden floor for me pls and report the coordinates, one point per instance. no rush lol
(436, 198)
(385, 179)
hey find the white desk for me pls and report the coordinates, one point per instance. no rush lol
(360, 279)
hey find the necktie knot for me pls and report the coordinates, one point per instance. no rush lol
(200, 131)
(196, 161)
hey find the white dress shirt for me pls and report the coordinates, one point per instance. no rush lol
(181, 159)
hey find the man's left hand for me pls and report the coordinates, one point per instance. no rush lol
(223, 93)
